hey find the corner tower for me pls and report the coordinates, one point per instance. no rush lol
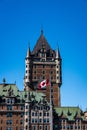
(44, 63)
(28, 71)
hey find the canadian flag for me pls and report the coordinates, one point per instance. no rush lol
(44, 84)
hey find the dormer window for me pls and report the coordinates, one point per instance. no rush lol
(10, 100)
(10, 92)
(43, 59)
(43, 54)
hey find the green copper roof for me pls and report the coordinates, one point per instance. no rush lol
(4, 90)
(69, 112)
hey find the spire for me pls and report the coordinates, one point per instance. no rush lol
(41, 29)
(41, 32)
(28, 52)
(58, 53)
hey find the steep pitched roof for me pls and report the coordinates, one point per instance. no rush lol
(4, 90)
(40, 42)
(20, 94)
(69, 112)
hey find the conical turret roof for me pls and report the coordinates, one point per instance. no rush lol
(28, 53)
(58, 53)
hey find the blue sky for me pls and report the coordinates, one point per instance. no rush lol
(64, 22)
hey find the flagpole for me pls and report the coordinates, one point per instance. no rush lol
(51, 108)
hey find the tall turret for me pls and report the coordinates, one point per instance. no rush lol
(28, 66)
(43, 63)
(58, 73)
(58, 68)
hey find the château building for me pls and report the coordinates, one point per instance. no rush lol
(38, 106)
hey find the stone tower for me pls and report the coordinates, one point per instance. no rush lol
(43, 63)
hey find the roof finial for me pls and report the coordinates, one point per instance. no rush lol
(28, 51)
(41, 29)
(41, 32)
(4, 80)
(57, 51)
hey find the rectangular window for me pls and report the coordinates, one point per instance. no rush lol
(44, 114)
(32, 120)
(40, 127)
(57, 72)
(27, 120)
(57, 77)
(40, 114)
(52, 90)
(43, 66)
(51, 72)
(9, 114)
(51, 78)
(16, 127)
(36, 114)
(27, 107)
(26, 112)
(26, 127)
(9, 128)
(44, 120)
(43, 72)
(21, 128)
(40, 120)
(9, 122)
(47, 120)
(34, 127)
(36, 121)
(47, 114)
(57, 66)
(22, 107)
(43, 77)
(32, 113)
(9, 107)
(21, 115)
(34, 77)
(45, 127)
(43, 59)
(21, 122)
(43, 54)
